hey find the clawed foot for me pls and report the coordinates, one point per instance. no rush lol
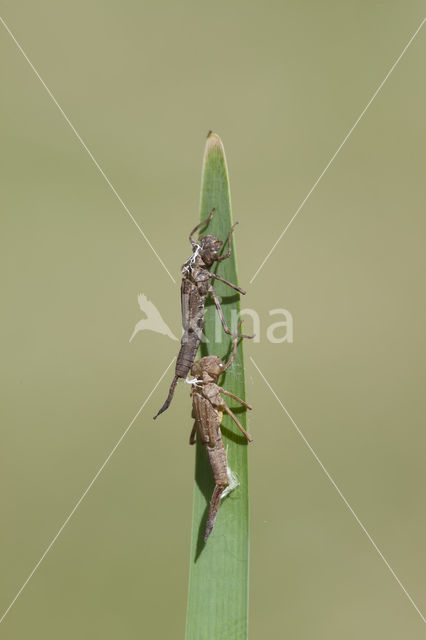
(237, 335)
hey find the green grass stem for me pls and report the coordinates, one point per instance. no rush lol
(218, 578)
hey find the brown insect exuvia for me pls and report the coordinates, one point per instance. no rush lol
(207, 410)
(195, 288)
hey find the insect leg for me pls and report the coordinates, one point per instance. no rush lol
(228, 253)
(231, 395)
(192, 438)
(237, 422)
(222, 317)
(201, 224)
(233, 286)
(234, 351)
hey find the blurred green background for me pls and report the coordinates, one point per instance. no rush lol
(282, 83)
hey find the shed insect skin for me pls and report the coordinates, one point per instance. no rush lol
(195, 288)
(207, 410)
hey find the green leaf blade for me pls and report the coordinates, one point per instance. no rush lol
(218, 580)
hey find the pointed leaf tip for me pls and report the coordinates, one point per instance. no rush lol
(213, 141)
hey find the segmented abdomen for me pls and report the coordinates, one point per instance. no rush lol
(193, 323)
(208, 420)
